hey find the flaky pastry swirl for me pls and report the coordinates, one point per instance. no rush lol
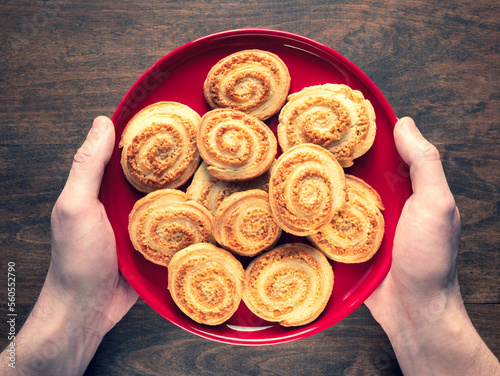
(253, 81)
(355, 233)
(164, 222)
(159, 146)
(306, 189)
(206, 282)
(244, 225)
(235, 145)
(333, 116)
(210, 191)
(290, 284)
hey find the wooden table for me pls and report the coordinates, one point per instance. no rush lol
(65, 62)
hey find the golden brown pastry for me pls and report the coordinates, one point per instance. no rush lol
(290, 284)
(333, 116)
(210, 191)
(354, 235)
(306, 189)
(235, 145)
(165, 221)
(253, 81)
(244, 225)
(206, 282)
(159, 146)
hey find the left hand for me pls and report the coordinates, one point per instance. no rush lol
(84, 294)
(84, 267)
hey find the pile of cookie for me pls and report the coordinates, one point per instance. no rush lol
(241, 198)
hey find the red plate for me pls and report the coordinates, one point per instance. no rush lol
(179, 77)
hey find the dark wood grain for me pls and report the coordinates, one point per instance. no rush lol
(64, 64)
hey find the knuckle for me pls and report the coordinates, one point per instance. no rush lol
(449, 210)
(83, 155)
(431, 153)
(60, 210)
(65, 209)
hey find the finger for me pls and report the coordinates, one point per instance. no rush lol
(426, 170)
(86, 173)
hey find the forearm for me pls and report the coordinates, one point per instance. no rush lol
(58, 338)
(438, 338)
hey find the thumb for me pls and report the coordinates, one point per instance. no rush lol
(85, 176)
(426, 171)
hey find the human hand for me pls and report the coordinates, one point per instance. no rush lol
(423, 270)
(419, 304)
(84, 265)
(84, 294)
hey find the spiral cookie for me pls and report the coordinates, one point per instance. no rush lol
(235, 145)
(354, 235)
(210, 191)
(206, 283)
(333, 116)
(164, 222)
(253, 81)
(290, 284)
(244, 225)
(159, 146)
(306, 189)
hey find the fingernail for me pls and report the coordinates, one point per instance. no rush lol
(408, 124)
(100, 125)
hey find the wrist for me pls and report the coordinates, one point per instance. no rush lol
(82, 312)
(436, 337)
(417, 326)
(60, 336)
